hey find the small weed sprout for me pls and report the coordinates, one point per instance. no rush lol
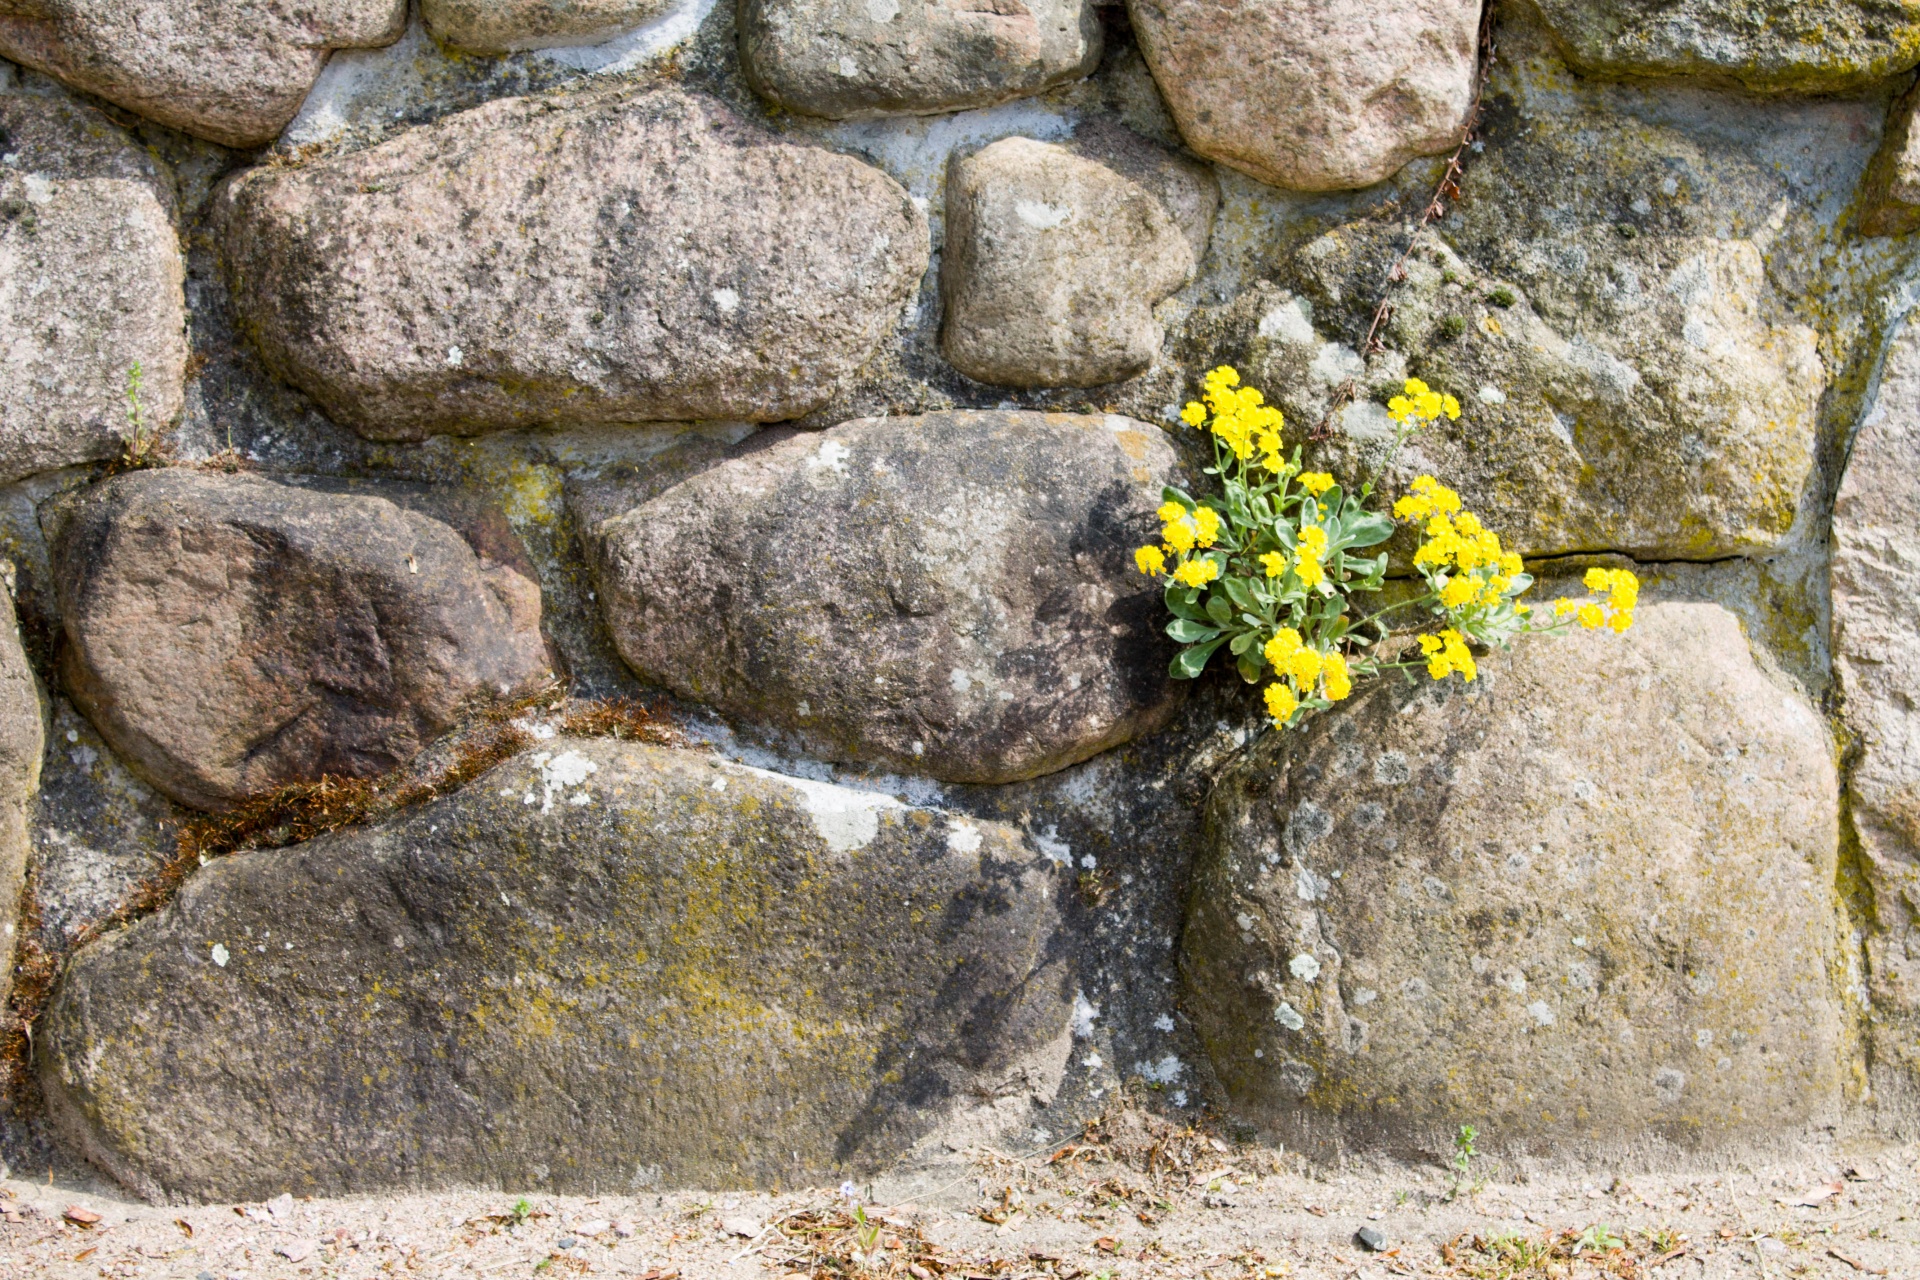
(1598, 1238)
(1502, 297)
(143, 446)
(521, 1211)
(1464, 1154)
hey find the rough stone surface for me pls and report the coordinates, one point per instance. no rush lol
(1796, 46)
(90, 284)
(22, 740)
(951, 594)
(1477, 904)
(1054, 261)
(499, 26)
(855, 59)
(318, 632)
(724, 976)
(648, 257)
(1876, 653)
(1890, 193)
(1684, 429)
(232, 71)
(1320, 97)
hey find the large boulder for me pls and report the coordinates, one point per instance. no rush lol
(856, 59)
(1320, 97)
(952, 594)
(1684, 429)
(1055, 258)
(228, 634)
(1588, 898)
(232, 71)
(616, 259)
(601, 966)
(1890, 190)
(501, 26)
(1792, 46)
(22, 740)
(1876, 658)
(90, 286)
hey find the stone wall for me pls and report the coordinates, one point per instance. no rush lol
(640, 548)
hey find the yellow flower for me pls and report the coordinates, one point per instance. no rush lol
(1591, 616)
(1458, 591)
(1151, 560)
(1208, 522)
(1194, 414)
(1313, 541)
(1450, 407)
(1621, 621)
(1285, 643)
(1511, 564)
(1281, 704)
(1316, 482)
(1196, 573)
(1596, 580)
(1303, 667)
(1274, 563)
(1181, 535)
(1563, 606)
(1309, 570)
(1447, 653)
(1339, 677)
(1170, 512)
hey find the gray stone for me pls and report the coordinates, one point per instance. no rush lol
(855, 59)
(318, 632)
(90, 285)
(1677, 421)
(1054, 260)
(232, 71)
(615, 259)
(723, 976)
(1323, 97)
(22, 742)
(1791, 46)
(1586, 899)
(1876, 658)
(1890, 191)
(952, 594)
(501, 26)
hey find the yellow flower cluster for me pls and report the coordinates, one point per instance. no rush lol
(1447, 653)
(1242, 418)
(1302, 669)
(1422, 404)
(1622, 591)
(1310, 551)
(1182, 531)
(1474, 568)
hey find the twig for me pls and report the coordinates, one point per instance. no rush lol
(1857, 1266)
(1447, 189)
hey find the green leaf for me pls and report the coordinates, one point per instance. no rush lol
(1182, 602)
(1219, 611)
(1249, 669)
(1187, 631)
(1236, 589)
(1171, 494)
(1240, 642)
(1190, 662)
(1369, 530)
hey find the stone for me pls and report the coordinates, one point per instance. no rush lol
(726, 976)
(1686, 429)
(621, 258)
(1876, 660)
(1890, 191)
(91, 284)
(321, 632)
(1770, 46)
(1324, 97)
(1370, 1240)
(1054, 261)
(505, 26)
(857, 59)
(22, 743)
(231, 71)
(951, 594)
(1468, 904)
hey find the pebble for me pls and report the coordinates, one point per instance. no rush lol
(1370, 1240)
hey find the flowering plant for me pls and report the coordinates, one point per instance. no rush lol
(1268, 568)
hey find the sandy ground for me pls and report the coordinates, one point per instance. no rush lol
(1163, 1204)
